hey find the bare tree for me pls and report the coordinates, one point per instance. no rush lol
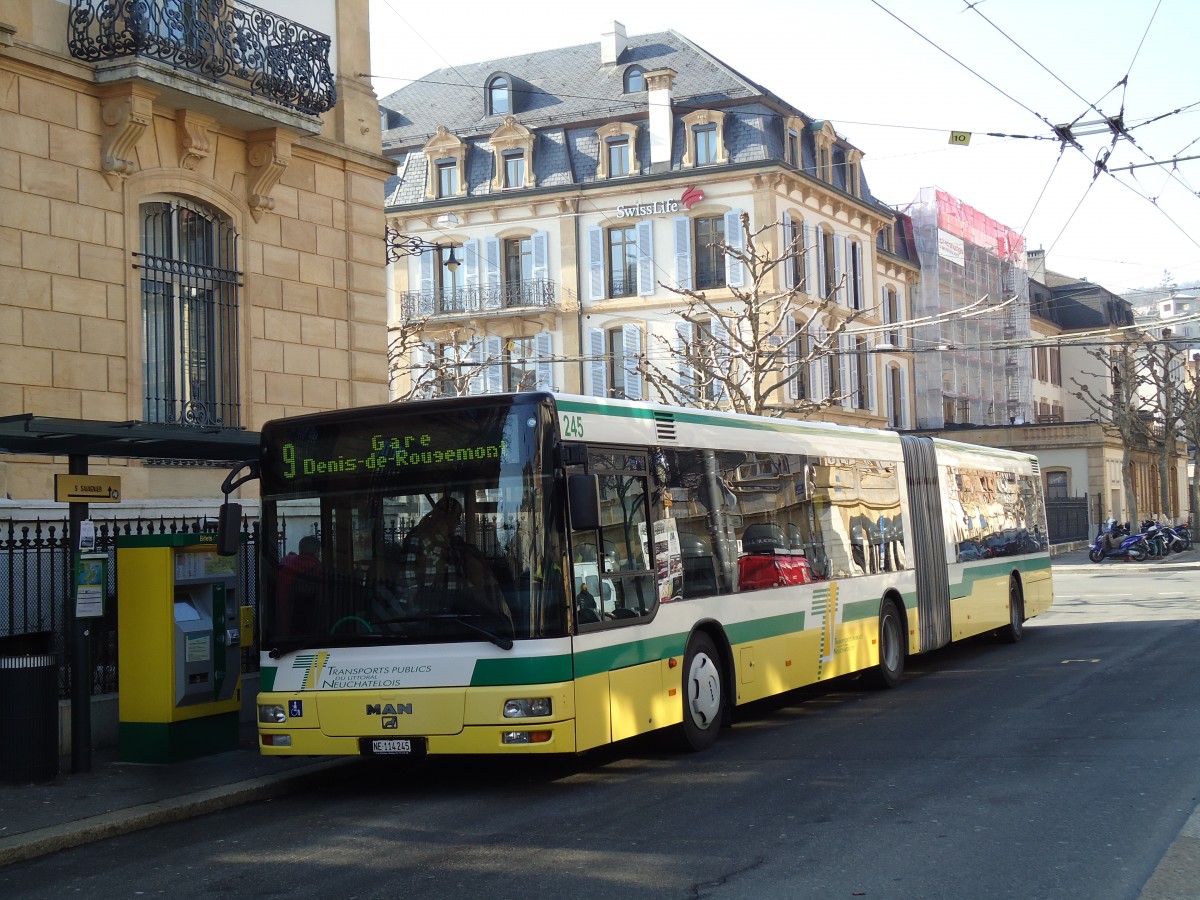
(455, 365)
(1163, 365)
(1189, 421)
(1121, 408)
(752, 353)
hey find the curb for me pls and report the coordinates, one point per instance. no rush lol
(43, 841)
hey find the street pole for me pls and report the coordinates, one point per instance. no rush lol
(80, 632)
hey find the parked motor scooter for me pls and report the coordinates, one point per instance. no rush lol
(1120, 545)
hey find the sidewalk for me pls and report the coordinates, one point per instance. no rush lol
(117, 798)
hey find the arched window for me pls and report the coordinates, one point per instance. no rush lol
(635, 80)
(499, 94)
(189, 285)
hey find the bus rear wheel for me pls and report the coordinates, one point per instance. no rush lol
(703, 694)
(891, 645)
(1015, 629)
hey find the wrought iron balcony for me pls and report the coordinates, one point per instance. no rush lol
(226, 40)
(538, 293)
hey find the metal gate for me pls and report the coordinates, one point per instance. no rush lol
(1067, 519)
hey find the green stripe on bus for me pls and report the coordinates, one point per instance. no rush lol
(266, 678)
(699, 418)
(521, 670)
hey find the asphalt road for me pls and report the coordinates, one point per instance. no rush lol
(1062, 767)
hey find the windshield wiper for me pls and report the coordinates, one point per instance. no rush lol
(499, 640)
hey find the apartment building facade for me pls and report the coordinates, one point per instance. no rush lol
(550, 211)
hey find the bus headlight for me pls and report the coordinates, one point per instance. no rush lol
(527, 707)
(272, 714)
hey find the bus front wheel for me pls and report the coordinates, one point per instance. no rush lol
(703, 694)
(891, 645)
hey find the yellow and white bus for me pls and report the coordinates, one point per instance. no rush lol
(619, 567)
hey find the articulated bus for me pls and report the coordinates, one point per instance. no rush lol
(618, 568)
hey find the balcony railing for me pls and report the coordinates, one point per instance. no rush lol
(539, 293)
(226, 40)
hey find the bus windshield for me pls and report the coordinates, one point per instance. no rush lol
(413, 523)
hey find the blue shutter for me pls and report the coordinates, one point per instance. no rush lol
(684, 333)
(420, 373)
(735, 269)
(595, 263)
(817, 389)
(470, 263)
(869, 387)
(425, 297)
(811, 259)
(645, 258)
(891, 398)
(823, 264)
(541, 254)
(849, 371)
(856, 251)
(492, 296)
(632, 340)
(791, 354)
(543, 344)
(720, 337)
(839, 269)
(493, 348)
(683, 252)
(597, 363)
(789, 235)
(471, 355)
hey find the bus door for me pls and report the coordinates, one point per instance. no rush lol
(928, 541)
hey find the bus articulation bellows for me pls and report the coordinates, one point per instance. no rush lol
(547, 573)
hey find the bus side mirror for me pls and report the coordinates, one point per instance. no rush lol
(583, 495)
(229, 523)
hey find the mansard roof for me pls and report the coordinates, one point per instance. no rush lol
(560, 86)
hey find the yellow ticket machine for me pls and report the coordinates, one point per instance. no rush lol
(179, 647)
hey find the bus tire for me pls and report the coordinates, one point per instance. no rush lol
(703, 694)
(1015, 629)
(891, 645)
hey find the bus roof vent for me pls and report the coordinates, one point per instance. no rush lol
(1037, 466)
(664, 425)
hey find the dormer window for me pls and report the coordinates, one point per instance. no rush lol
(793, 127)
(617, 150)
(499, 96)
(446, 158)
(514, 169)
(705, 133)
(635, 80)
(512, 150)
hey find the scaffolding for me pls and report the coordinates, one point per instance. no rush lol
(974, 370)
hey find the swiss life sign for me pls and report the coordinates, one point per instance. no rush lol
(689, 198)
(87, 488)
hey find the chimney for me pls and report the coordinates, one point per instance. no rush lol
(612, 45)
(1036, 260)
(659, 85)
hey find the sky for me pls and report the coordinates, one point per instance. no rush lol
(895, 77)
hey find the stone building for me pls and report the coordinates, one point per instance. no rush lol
(190, 225)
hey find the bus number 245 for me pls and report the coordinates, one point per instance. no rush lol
(572, 427)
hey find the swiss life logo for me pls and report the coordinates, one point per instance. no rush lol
(691, 196)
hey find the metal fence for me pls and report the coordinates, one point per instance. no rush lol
(36, 588)
(1067, 519)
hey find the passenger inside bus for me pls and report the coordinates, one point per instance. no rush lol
(299, 587)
